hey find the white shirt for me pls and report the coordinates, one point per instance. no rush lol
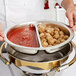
(18, 11)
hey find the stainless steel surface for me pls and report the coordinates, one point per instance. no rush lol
(36, 75)
(41, 56)
(51, 49)
(56, 58)
(35, 68)
(70, 63)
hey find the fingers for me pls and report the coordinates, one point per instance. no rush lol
(71, 15)
(75, 18)
(74, 28)
(74, 21)
(1, 34)
(70, 18)
(1, 38)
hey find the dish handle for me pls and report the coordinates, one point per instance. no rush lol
(4, 60)
(68, 64)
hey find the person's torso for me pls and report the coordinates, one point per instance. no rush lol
(18, 11)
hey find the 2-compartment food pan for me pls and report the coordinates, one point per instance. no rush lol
(34, 50)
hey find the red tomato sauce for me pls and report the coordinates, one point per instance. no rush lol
(24, 36)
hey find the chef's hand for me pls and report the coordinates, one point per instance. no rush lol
(71, 15)
(1, 34)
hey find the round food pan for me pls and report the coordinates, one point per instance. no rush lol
(34, 50)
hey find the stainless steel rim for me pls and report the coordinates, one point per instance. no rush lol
(42, 48)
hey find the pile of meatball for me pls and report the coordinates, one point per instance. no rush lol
(50, 35)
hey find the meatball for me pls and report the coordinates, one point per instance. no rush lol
(49, 45)
(51, 42)
(45, 44)
(66, 37)
(49, 30)
(51, 35)
(57, 42)
(62, 40)
(61, 32)
(43, 40)
(56, 29)
(42, 35)
(56, 35)
(41, 28)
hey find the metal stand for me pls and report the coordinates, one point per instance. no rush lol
(48, 74)
(36, 75)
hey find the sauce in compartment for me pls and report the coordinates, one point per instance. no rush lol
(24, 36)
